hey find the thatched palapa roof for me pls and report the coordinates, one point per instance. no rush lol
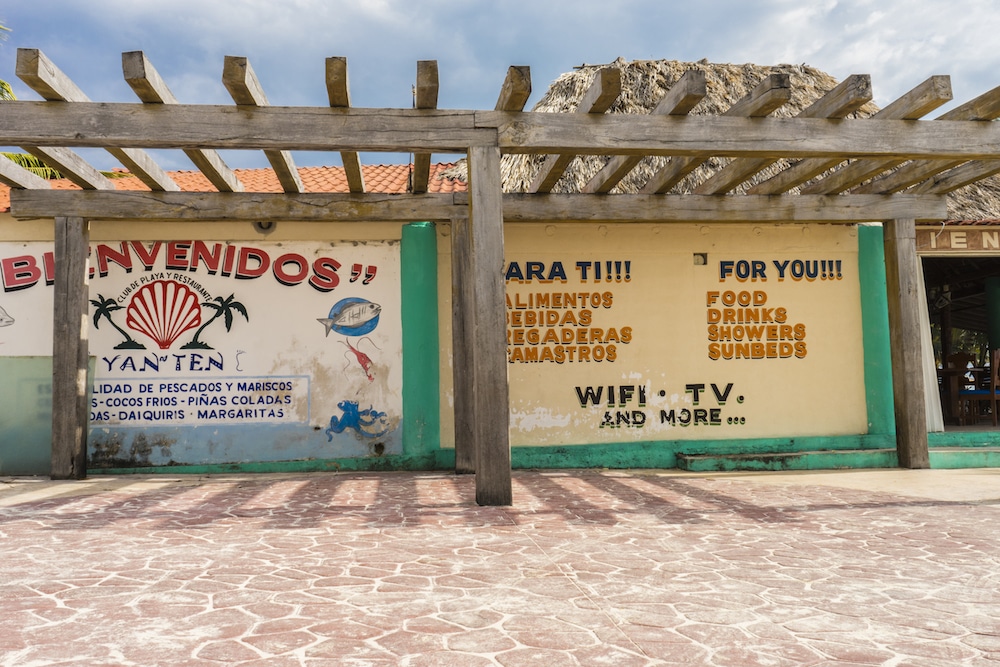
(645, 82)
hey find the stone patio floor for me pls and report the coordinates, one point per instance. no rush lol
(886, 567)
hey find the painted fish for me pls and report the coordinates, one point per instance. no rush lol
(5, 319)
(352, 317)
(355, 314)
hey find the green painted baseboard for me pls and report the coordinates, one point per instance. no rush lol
(815, 460)
(974, 450)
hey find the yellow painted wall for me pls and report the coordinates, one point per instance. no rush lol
(645, 333)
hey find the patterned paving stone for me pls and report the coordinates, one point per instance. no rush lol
(586, 568)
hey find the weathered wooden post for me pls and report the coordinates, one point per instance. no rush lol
(462, 384)
(487, 329)
(902, 275)
(69, 350)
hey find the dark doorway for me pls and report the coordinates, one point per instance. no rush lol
(956, 289)
(956, 302)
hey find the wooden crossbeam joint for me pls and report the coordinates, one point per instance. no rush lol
(339, 94)
(603, 92)
(150, 88)
(42, 76)
(847, 97)
(425, 96)
(985, 107)
(770, 94)
(245, 89)
(682, 97)
(913, 105)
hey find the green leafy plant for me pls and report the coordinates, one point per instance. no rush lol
(33, 164)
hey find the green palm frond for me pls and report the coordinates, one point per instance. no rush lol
(33, 164)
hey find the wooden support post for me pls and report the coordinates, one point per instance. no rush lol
(461, 355)
(902, 274)
(945, 332)
(486, 332)
(69, 350)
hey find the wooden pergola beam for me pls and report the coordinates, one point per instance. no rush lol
(959, 177)
(703, 136)
(983, 107)
(72, 166)
(42, 76)
(150, 88)
(913, 105)
(905, 176)
(245, 89)
(516, 89)
(771, 93)
(682, 97)
(447, 131)
(46, 79)
(425, 96)
(16, 176)
(197, 127)
(657, 209)
(230, 206)
(334, 207)
(603, 92)
(847, 97)
(339, 94)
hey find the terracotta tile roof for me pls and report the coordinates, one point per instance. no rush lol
(379, 178)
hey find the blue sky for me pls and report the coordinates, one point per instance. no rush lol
(900, 43)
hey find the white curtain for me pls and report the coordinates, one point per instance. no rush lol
(932, 395)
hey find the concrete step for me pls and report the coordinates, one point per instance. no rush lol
(940, 458)
(965, 457)
(812, 460)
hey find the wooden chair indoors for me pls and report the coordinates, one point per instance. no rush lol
(972, 399)
(957, 386)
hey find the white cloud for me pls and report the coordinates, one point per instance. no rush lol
(899, 43)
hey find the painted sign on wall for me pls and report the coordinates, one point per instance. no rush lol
(958, 239)
(221, 347)
(702, 333)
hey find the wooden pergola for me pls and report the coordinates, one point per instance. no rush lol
(891, 167)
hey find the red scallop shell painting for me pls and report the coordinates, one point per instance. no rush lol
(163, 310)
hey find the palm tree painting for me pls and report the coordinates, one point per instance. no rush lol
(223, 308)
(103, 307)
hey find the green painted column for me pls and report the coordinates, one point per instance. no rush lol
(993, 312)
(875, 330)
(421, 375)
